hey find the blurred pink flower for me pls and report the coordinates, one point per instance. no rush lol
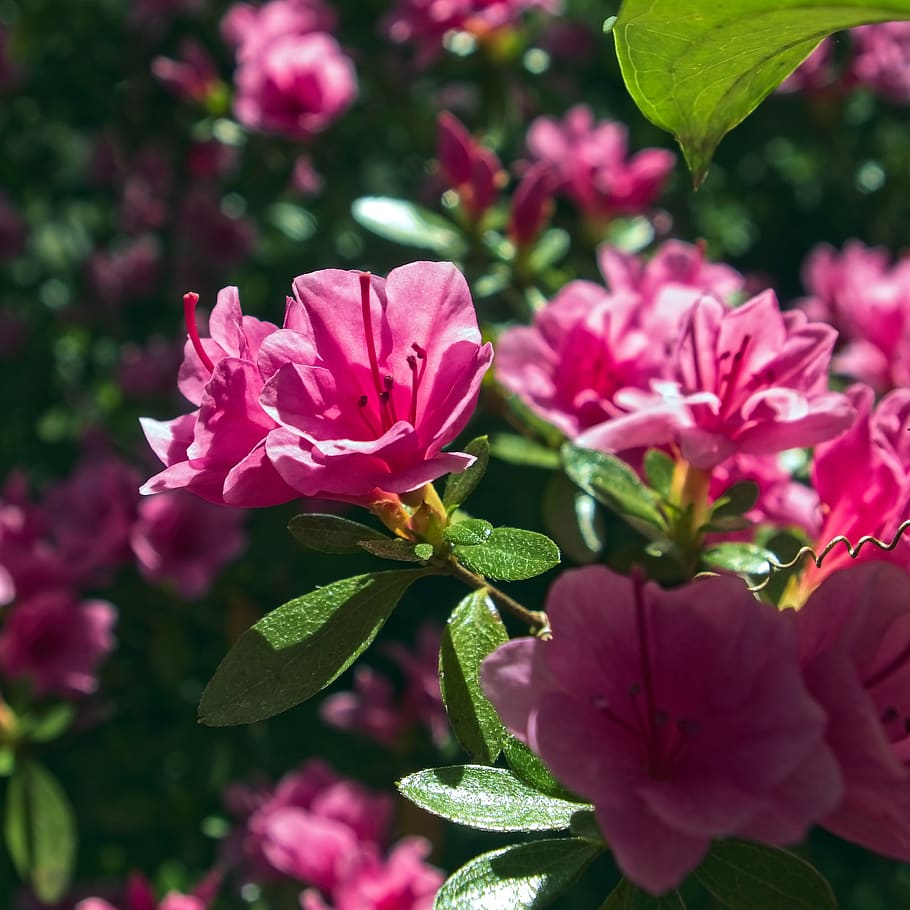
(148, 370)
(181, 541)
(305, 179)
(881, 59)
(592, 163)
(752, 380)
(816, 74)
(56, 642)
(127, 272)
(467, 167)
(532, 205)
(681, 715)
(400, 881)
(192, 76)
(138, 895)
(867, 300)
(855, 644)
(296, 85)
(249, 28)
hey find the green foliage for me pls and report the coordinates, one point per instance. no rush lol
(574, 519)
(332, 533)
(460, 486)
(509, 554)
(520, 450)
(748, 876)
(408, 224)
(659, 468)
(470, 532)
(40, 830)
(394, 548)
(302, 646)
(741, 558)
(625, 896)
(524, 877)
(492, 799)
(698, 70)
(473, 631)
(531, 769)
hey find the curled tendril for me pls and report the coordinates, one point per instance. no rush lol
(819, 558)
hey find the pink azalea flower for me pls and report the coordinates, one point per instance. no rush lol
(138, 895)
(532, 205)
(751, 380)
(816, 74)
(296, 85)
(881, 59)
(180, 540)
(192, 76)
(681, 715)
(305, 179)
(57, 642)
(855, 645)
(474, 172)
(127, 272)
(148, 370)
(401, 881)
(868, 301)
(591, 160)
(249, 28)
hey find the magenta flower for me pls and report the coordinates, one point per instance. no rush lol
(183, 542)
(56, 642)
(249, 28)
(474, 172)
(751, 380)
(816, 74)
(868, 301)
(192, 76)
(127, 272)
(881, 59)
(296, 85)
(681, 715)
(532, 205)
(855, 645)
(138, 895)
(591, 160)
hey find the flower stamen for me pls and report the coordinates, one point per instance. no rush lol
(190, 299)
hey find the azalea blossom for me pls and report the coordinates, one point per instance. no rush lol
(881, 59)
(192, 76)
(855, 646)
(681, 715)
(467, 167)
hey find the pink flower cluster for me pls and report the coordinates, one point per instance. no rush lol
(329, 834)
(292, 76)
(352, 399)
(138, 895)
(702, 713)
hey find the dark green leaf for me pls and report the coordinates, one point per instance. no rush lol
(299, 648)
(332, 533)
(524, 877)
(530, 420)
(469, 532)
(659, 468)
(625, 896)
(392, 548)
(424, 551)
(510, 554)
(40, 831)
(741, 558)
(735, 500)
(460, 486)
(573, 519)
(491, 799)
(551, 247)
(51, 723)
(473, 631)
(747, 876)
(531, 769)
(613, 483)
(584, 824)
(520, 450)
(697, 70)
(408, 224)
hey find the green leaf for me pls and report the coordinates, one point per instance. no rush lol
(40, 831)
(574, 519)
(50, 724)
(747, 876)
(697, 70)
(332, 533)
(524, 877)
(517, 449)
(408, 224)
(612, 482)
(473, 631)
(424, 551)
(471, 531)
(551, 247)
(741, 558)
(460, 486)
(659, 468)
(302, 646)
(735, 500)
(625, 896)
(531, 769)
(491, 799)
(510, 554)
(527, 418)
(392, 548)
(631, 235)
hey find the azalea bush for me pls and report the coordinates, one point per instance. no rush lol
(521, 527)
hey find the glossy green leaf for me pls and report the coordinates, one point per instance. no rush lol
(471, 531)
(574, 520)
(492, 799)
(735, 500)
(520, 450)
(529, 768)
(625, 896)
(510, 554)
(424, 551)
(697, 70)
(473, 631)
(460, 486)
(40, 830)
(747, 876)
(392, 548)
(332, 533)
(659, 468)
(408, 224)
(741, 558)
(302, 646)
(524, 877)
(612, 482)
